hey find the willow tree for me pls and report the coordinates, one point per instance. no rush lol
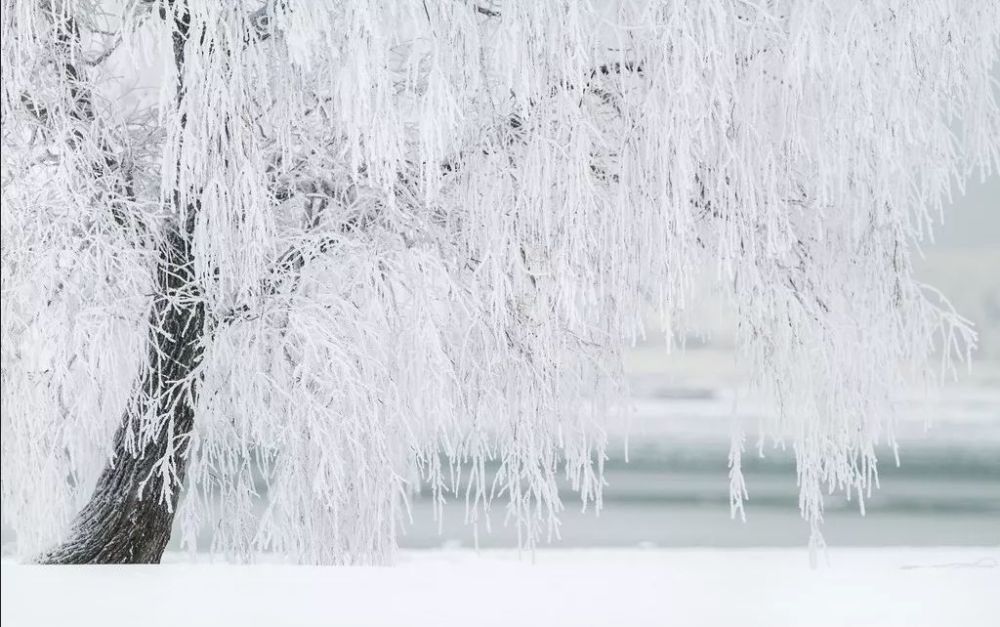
(367, 247)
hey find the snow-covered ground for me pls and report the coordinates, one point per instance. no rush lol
(877, 587)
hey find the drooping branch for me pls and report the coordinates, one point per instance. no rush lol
(106, 165)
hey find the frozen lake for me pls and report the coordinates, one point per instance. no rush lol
(674, 490)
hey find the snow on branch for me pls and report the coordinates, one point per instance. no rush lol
(424, 232)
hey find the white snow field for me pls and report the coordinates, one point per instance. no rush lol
(908, 587)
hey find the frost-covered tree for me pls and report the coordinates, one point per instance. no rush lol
(361, 248)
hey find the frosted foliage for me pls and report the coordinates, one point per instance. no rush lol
(424, 232)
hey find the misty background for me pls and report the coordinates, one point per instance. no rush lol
(674, 490)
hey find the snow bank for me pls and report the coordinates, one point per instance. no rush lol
(900, 586)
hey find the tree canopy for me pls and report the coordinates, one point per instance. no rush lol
(421, 234)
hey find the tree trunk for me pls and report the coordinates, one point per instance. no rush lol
(128, 517)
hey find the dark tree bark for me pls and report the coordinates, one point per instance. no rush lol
(126, 519)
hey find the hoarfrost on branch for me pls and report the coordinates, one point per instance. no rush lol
(423, 232)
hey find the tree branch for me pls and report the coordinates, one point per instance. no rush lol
(80, 111)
